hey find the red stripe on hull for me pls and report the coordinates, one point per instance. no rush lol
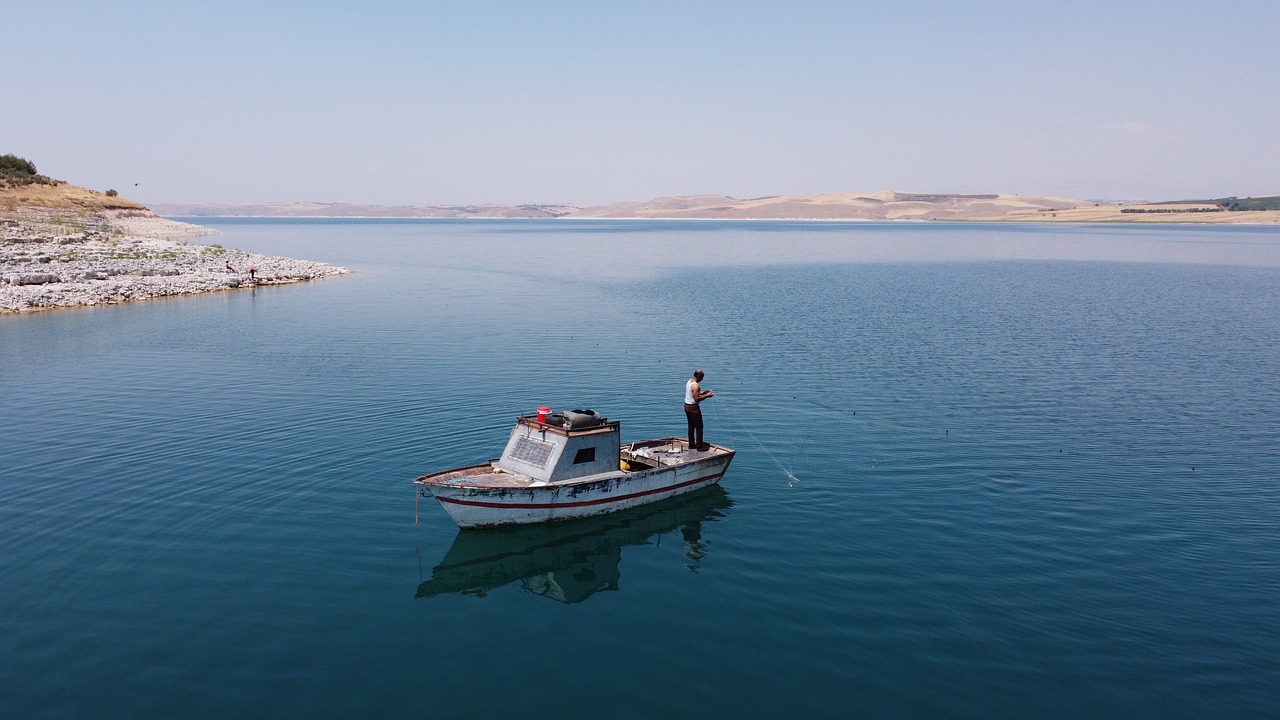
(580, 503)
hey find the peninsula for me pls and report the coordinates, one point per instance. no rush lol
(65, 246)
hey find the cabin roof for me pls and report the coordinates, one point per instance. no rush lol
(531, 421)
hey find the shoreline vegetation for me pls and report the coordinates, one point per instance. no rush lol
(65, 246)
(878, 206)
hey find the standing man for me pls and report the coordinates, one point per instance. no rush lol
(693, 396)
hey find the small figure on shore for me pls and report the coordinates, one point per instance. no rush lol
(229, 268)
(252, 272)
(693, 397)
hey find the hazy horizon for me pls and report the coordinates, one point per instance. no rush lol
(572, 103)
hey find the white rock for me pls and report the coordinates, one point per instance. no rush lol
(143, 255)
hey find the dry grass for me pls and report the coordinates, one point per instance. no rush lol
(61, 197)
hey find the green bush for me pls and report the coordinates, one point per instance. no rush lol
(14, 165)
(1250, 203)
(16, 172)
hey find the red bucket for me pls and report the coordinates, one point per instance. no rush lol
(543, 412)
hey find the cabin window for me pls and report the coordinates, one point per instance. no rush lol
(585, 455)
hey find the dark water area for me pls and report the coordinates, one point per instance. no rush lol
(983, 471)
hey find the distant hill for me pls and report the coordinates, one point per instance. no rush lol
(306, 209)
(885, 205)
(1233, 204)
(877, 206)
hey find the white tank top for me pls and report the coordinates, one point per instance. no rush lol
(688, 392)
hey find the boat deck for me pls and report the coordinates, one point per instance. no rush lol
(480, 475)
(666, 452)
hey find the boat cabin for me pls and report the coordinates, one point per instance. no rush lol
(562, 446)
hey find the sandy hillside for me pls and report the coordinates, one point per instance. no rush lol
(885, 205)
(896, 205)
(62, 196)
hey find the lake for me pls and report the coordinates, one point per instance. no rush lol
(983, 471)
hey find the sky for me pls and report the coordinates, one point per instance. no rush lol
(587, 103)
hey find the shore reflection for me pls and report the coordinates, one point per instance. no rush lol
(573, 560)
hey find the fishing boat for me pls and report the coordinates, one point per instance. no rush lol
(572, 464)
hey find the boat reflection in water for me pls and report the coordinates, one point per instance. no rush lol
(570, 561)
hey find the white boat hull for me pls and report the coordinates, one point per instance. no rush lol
(479, 506)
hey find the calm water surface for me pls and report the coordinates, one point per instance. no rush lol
(983, 471)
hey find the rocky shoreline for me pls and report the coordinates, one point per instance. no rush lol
(57, 258)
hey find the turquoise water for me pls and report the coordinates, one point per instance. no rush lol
(983, 471)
